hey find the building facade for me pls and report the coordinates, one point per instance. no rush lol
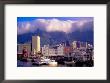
(45, 50)
(20, 48)
(53, 51)
(35, 44)
(60, 50)
(74, 44)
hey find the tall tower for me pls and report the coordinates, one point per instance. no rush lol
(35, 44)
(74, 44)
(86, 44)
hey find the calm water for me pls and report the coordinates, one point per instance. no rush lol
(29, 64)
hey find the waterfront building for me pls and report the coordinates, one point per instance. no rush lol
(35, 44)
(60, 50)
(45, 50)
(53, 51)
(67, 51)
(20, 48)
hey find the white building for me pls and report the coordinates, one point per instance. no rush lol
(83, 44)
(45, 50)
(60, 50)
(35, 44)
(51, 51)
(89, 46)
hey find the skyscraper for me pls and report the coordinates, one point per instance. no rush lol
(35, 44)
(74, 44)
(67, 43)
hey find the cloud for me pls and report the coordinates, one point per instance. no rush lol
(54, 24)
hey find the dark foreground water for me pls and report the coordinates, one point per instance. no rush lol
(29, 64)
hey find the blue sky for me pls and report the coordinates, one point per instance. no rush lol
(22, 19)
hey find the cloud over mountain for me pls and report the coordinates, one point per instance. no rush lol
(51, 25)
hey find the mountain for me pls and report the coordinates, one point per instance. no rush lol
(57, 36)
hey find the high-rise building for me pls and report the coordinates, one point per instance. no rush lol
(74, 44)
(67, 43)
(35, 44)
(86, 44)
(78, 44)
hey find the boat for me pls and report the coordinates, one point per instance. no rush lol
(53, 63)
(69, 63)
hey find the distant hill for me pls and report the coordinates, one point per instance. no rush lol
(57, 37)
